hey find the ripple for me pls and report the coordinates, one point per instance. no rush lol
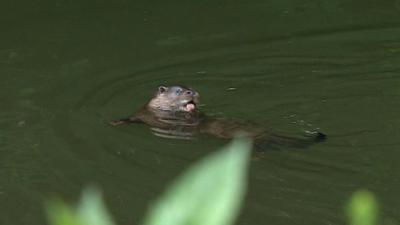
(247, 62)
(296, 74)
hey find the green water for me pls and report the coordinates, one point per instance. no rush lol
(68, 68)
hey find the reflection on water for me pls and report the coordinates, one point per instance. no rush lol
(68, 69)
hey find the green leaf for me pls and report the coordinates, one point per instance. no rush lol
(362, 209)
(209, 193)
(58, 213)
(90, 211)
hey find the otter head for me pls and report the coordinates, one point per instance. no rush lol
(175, 98)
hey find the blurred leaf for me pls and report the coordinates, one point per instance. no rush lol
(209, 193)
(90, 211)
(58, 213)
(362, 209)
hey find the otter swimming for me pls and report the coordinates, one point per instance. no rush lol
(173, 113)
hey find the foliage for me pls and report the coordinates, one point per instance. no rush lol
(209, 193)
(362, 209)
(90, 211)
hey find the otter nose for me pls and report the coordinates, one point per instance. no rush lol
(191, 93)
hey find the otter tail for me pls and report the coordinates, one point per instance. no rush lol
(276, 141)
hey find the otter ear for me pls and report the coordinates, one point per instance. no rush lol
(162, 89)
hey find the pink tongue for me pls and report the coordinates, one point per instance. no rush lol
(190, 107)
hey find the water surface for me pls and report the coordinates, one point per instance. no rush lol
(293, 66)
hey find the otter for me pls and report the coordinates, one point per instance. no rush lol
(173, 113)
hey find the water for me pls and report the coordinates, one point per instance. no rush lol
(294, 66)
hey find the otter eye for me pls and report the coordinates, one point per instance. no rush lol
(178, 91)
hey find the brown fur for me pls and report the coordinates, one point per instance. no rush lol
(167, 114)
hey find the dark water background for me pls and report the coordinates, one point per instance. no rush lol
(68, 67)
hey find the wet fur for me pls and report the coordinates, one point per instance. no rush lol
(164, 113)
